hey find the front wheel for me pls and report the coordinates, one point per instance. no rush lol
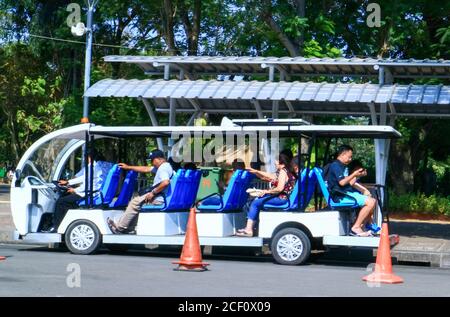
(291, 246)
(82, 237)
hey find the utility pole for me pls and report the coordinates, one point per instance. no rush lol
(78, 29)
(88, 59)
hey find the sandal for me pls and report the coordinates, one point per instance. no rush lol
(112, 226)
(244, 234)
(361, 234)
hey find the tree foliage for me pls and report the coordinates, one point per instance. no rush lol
(41, 80)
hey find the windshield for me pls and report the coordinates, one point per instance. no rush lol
(42, 163)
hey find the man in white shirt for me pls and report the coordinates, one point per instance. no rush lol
(164, 172)
(74, 194)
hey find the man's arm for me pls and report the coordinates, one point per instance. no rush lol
(349, 178)
(158, 189)
(362, 189)
(139, 169)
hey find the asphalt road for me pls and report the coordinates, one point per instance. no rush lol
(38, 271)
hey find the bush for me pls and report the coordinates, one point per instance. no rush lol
(420, 203)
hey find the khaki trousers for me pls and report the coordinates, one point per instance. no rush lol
(129, 218)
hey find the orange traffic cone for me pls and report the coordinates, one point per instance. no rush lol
(191, 255)
(383, 268)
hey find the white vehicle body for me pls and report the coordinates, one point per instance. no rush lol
(33, 195)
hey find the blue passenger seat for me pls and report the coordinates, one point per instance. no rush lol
(292, 203)
(105, 195)
(233, 199)
(181, 193)
(127, 190)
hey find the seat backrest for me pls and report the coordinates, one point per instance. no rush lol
(323, 186)
(293, 197)
(109, 187)
(127, 190)
(174, 193)
(183, 190)
(232, 193)
(193, 184)
(243, 195)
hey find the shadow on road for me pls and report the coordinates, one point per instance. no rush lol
(344, 257)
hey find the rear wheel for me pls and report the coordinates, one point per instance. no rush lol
(291, 246)
(82, 237)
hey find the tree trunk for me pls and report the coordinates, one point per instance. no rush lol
(400, 168)
(168, 26)
(266, 15)
(191, 28)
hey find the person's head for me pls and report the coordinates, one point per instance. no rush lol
(288, 153)
(156, 157)
(283, 162)
(344, 154)
(95, 156)
(296, 164)
(190, 166)
(238, 165)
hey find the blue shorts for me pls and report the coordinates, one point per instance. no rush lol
(360, 198)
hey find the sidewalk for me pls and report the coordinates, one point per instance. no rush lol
(420, 241)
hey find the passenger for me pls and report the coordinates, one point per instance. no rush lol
(366, 191)
(288, 153)
(190, 166)
(354, 166)
(164, 172)
(339, 178)
(282, 184)
(296, 166)
(74, 194)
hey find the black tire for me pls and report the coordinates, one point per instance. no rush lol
(117, 247)
(291, 246)
(82, 229)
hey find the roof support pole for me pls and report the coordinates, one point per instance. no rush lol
(154, 121)
(258, 109)
(271, 73)
(264, 142)
(381, 153)
(384, 75)
(192, 118)
(393, 114)
(373, 113)
(172, 121)
(291, 109)
(275, 109)
(166, 71)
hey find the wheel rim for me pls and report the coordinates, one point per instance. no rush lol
(289, 247)
(82, 237)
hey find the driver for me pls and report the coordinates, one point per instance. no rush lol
(74, 194)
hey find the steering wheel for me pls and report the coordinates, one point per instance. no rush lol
(60, 188)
